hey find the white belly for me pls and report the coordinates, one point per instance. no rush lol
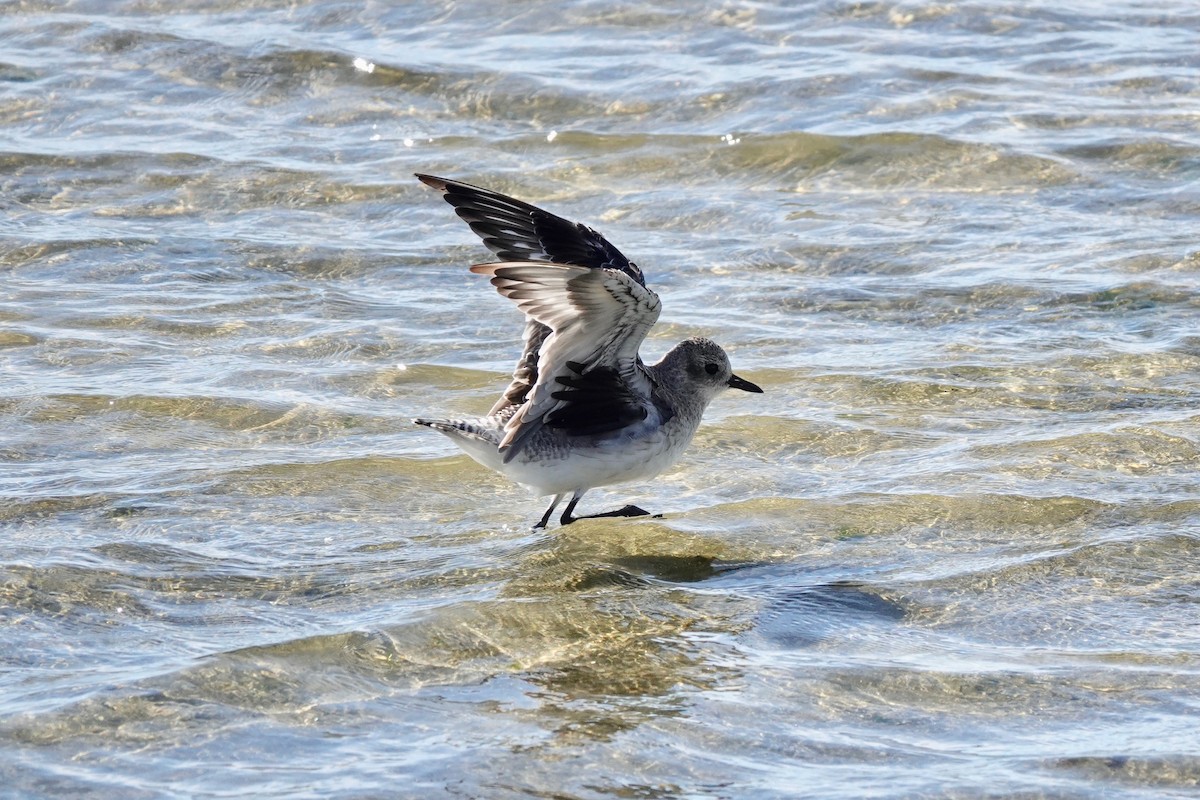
(551, 464)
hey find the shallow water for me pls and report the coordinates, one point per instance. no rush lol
(950, 551)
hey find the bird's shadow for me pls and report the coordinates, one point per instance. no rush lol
(595, 552)
(803, 617)
(671, 568)
(598, 553)
(799, 607)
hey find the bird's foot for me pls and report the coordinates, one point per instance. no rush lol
(627, 511)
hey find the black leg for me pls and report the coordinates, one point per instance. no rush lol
(553, 504)
(566, 518)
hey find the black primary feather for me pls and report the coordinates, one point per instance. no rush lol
(517, 231)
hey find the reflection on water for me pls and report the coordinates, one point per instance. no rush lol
(949, 552)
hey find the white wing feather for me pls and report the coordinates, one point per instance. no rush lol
(598, 318)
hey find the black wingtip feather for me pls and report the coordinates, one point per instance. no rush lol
(432, 181)
(517, 231)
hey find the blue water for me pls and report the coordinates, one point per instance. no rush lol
(950, 552)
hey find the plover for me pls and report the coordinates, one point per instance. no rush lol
(582, 410)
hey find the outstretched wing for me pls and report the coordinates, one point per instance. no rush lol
(590, 379)
(517, 231)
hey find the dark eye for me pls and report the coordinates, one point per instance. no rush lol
(711, 369)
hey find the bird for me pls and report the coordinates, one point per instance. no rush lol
(582, 409)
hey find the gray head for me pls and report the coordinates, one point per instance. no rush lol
(701, 368)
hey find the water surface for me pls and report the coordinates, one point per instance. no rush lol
(950, 551)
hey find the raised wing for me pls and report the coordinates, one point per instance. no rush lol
(517, 231)
(590, 379)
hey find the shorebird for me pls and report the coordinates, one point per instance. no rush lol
(582, 409)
